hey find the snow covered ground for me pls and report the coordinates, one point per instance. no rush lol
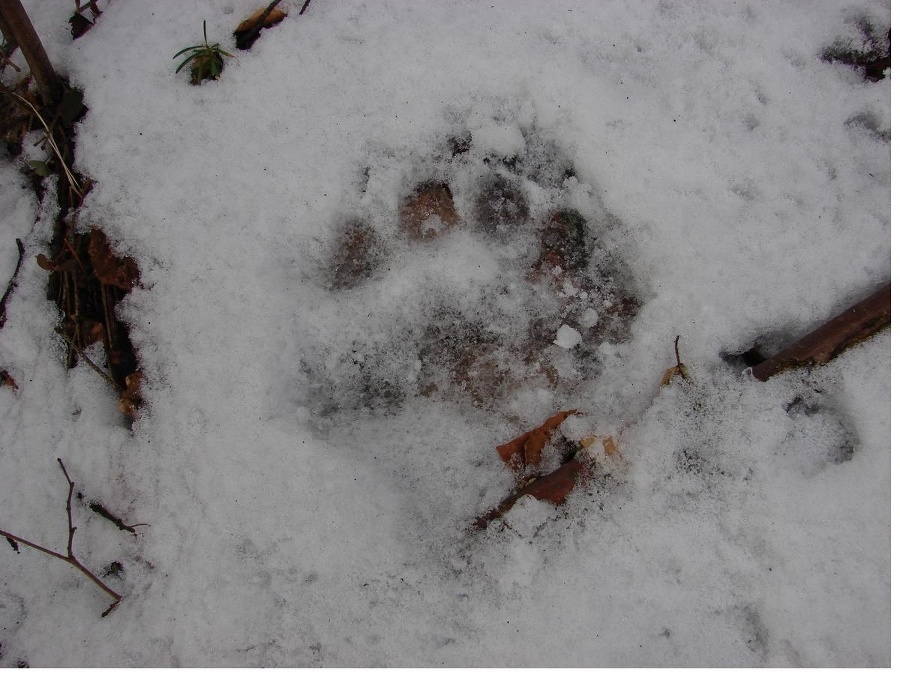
(307, 463)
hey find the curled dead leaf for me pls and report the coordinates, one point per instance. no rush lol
(554, 488)
(678, 370)
(526, 449)
(110, 269)
(45, 263)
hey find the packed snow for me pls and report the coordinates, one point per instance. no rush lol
(319, 431)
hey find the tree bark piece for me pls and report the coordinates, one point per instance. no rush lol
(858, 323)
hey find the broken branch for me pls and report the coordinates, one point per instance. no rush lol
(851, 327)
(69, 557)
(102, 511)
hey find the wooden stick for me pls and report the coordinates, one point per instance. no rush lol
(69, 557)
(12, 282)
(858, 323)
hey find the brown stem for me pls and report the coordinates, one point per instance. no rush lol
(85, 357)
(70, 556)
(31, 544)
(72, 528)
(12, 282)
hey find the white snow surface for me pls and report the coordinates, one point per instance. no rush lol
(307, 503)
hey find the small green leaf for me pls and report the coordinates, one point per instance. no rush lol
(184, 63)
(40, 168)
(187, 49)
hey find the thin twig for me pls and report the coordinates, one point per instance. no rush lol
(72, 528)
(70, 556)
(677, 355)
(108, 318)
(87, 359)
(6, 61)
(73, 183)
(305, 5)
(12, 282)
(75, 256)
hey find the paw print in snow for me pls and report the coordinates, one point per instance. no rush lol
(489, 277)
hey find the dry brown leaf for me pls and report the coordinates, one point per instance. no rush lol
(678, 370)
(275, 16)
(110, 269)
(526, 449)
(131, 398)
(672, 373)
(91, 331)
(45, 263)
(554, 488)
(610, 448)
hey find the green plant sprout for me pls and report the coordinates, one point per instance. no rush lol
(206, 60)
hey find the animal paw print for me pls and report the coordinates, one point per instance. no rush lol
(489, 277)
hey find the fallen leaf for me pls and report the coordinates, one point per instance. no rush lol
(678, 370)
(555, 488)
(275, 16)
(131, 398)
(672, 373)
(610, 448)
(39, 167)
(110, 269)
(526, 449)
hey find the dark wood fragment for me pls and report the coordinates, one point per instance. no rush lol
(858, 323)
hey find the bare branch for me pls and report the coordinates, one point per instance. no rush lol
(12, 282)
(70, 556)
